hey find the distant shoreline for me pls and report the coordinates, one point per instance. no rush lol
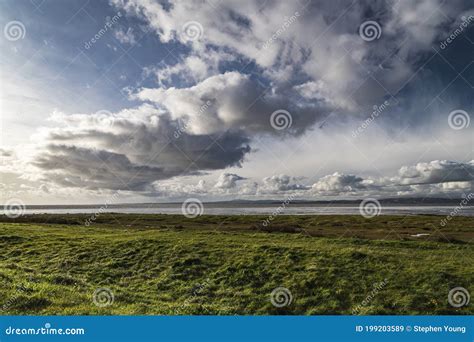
(267, 210)
(392, 202)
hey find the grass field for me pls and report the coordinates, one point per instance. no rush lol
(226, 265)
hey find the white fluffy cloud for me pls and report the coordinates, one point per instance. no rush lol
(228, 101)
(281, 183)
(319, 41)
(433, 178)
(437, 171)
(228, 181)
(190, 69)
(126, 36)
(338, 183)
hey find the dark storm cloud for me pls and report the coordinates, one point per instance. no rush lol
(72, 166)
(135, 155)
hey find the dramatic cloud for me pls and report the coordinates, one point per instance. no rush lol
(208, 82)
(334, 59)
(130, 150)
(230, 101)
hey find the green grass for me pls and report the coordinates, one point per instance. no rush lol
(226, 265)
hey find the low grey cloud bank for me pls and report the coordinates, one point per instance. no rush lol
(438, 181)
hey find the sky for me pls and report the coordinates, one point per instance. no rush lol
(155, 101)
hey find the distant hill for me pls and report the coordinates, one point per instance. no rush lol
(263, 203)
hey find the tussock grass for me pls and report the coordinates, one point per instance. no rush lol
(160, 264)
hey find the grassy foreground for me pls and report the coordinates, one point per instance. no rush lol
(226, 265)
